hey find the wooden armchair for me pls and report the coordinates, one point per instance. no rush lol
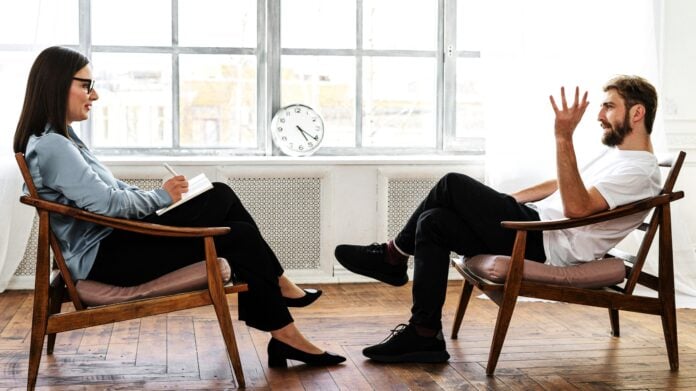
(596, 283)
(53, 286)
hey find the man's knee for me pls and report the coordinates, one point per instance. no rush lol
(435, 223)
(455, 180)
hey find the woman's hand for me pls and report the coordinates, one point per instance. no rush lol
(176, 186)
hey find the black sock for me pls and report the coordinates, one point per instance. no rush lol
(425, 331)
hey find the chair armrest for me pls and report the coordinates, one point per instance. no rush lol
(123, 224)
(621, 211)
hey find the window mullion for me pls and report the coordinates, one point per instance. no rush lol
(263, 106)
(85, 22)
(273, 92)
(176, 142)
(448, 51)
(359, 74)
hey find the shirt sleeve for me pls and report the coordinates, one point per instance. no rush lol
(125, 186)
(64, 170)
(625, 185)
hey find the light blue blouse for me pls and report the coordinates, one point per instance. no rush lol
(65, 171)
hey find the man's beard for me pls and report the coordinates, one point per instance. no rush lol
(614, 135)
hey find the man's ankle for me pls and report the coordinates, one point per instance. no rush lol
(394, 256)
(425, 331)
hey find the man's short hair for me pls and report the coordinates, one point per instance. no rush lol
(636, 90)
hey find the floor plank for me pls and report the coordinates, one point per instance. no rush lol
(549, 346)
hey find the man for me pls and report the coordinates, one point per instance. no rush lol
(463, 215)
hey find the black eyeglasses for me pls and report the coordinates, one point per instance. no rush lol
(90, 87)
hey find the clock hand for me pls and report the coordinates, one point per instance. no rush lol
(316, 138)
(302, 132)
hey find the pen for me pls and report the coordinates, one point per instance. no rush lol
(170, 169)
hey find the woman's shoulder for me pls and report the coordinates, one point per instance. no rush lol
(49, 142)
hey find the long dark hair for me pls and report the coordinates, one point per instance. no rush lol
(46, 99)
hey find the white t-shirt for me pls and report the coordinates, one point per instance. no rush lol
(620, 177)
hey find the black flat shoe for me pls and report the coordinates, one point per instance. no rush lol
(279, 353)
(310, 296)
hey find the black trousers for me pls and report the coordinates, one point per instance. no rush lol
(462, 215)
(127, 258)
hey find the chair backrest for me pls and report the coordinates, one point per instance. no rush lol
(635, 274)
(60, 266)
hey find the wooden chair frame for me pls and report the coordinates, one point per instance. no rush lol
(614, 298)
(53, 287)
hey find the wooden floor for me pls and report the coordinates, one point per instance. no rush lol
(549, 346)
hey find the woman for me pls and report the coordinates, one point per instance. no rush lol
(60, 91)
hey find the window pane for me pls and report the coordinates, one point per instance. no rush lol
(39, 22)
(318, 24)
(132, 22)
(399, 102)
(470, 112)
(217, 101)
(221, 23)
(327, 84)
(471, 17)
(398, 24)
(135, 100)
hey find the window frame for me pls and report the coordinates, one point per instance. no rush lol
(268, 96)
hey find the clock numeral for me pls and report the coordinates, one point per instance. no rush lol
(310, 144)
(301, 148)
(284, 138)
(298, 110)
(282, 120)
(280, 128)
(287, 113)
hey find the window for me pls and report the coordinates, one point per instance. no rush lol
(205, 76)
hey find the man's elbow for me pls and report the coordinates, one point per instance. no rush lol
(583, 210)
(577, 212)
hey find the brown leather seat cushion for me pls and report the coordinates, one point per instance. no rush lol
(191, 277)
(594, 274)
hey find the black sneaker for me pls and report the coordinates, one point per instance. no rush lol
(405, 345)
(370, 261)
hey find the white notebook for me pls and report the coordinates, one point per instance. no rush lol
(197, 185)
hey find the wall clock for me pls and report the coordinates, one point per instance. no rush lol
(297, 130)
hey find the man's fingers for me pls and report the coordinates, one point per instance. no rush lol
(553, 104)
(577, 96)
(563, 99)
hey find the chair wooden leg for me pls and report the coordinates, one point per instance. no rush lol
(614, 320)
(507, 304)
(666, 288)
(464, 297)
(669, 328)
(501, 327)
(222, 311)
(39, 320)
(38, 332)
(54, 304)
(224, 319)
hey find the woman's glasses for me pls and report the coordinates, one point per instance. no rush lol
(89, 86)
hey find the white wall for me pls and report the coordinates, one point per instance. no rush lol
(678, 100)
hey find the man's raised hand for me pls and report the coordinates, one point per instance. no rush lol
(567, 118)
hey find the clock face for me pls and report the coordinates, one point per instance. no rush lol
(297, 130)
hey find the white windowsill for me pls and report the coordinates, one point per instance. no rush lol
(297, 161)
